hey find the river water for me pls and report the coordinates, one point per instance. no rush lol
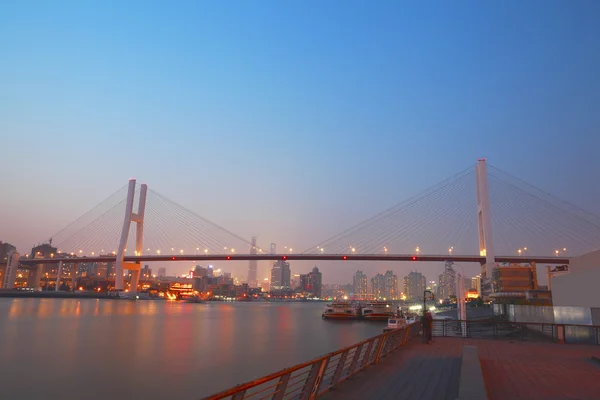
(111, 349)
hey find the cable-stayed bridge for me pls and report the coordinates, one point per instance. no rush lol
(480, 214)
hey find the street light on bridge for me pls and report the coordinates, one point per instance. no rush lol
(418, 250)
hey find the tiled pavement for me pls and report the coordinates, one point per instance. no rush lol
(511, 370)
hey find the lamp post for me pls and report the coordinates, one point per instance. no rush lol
(425, 300)
(461, 311)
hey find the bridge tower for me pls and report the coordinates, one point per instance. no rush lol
(130, 217)
(486, 247)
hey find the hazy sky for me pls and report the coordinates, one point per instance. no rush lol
(289, 119)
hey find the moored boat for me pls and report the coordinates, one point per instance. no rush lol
(341, 310)
(377, 311)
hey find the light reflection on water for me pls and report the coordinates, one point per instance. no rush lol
(156, 349)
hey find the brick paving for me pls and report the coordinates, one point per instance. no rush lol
(512, 371)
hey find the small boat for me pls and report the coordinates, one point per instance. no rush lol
(341, 310)
(377, 311)
(396, 323)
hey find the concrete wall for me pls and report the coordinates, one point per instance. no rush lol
(586, 261)
(578, 288)
(573, 315)
(543, 314)
(559, 315)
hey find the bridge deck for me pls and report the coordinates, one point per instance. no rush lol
(511, 370)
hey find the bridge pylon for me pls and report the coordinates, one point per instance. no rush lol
(130, 217)
(486, 247)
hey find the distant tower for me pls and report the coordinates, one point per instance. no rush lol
(253, 266)
(273, 249)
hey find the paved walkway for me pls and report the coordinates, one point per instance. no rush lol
(511, 370)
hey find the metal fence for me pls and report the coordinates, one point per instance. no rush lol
(526, 331)
(313, 378)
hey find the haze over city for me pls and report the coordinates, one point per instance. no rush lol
(292, 122)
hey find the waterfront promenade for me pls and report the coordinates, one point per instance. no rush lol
(511, 370)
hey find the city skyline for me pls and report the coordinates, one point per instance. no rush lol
(365, 106)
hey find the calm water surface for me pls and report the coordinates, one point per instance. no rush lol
(110, 349)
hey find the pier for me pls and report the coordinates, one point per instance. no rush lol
(494, 360)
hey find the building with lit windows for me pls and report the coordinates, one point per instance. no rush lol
(312, 282)
(414, 285)
(447, 282)
(280, 275)
(360, 285)
(391, 286)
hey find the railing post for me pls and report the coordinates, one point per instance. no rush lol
(380, 348)
(407, 334)
(560, 331)
(444, 328)
(281, 386)
(339, 369)
(367, 355)
(311, 385)
(239, 395)
(355, 359)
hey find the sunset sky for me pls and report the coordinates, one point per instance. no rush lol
(290, 120)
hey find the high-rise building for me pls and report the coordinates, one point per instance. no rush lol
(199, 271)
(476, 284)
(447, 285)
(253, 267)
(391, 286)
(516, 278)
(313, 282)
(5, 248)
(378, 286)
(225, 279)
(42, 251)
(146, 273)
(414, 285)
(360, 285)
(280, 275)
(303, 281)
(265, 285)
(162, 272)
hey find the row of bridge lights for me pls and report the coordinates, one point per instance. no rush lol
(290, 250)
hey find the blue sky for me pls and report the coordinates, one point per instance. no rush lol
(292, 120)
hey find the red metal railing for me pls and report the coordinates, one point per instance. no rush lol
(308, 380)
